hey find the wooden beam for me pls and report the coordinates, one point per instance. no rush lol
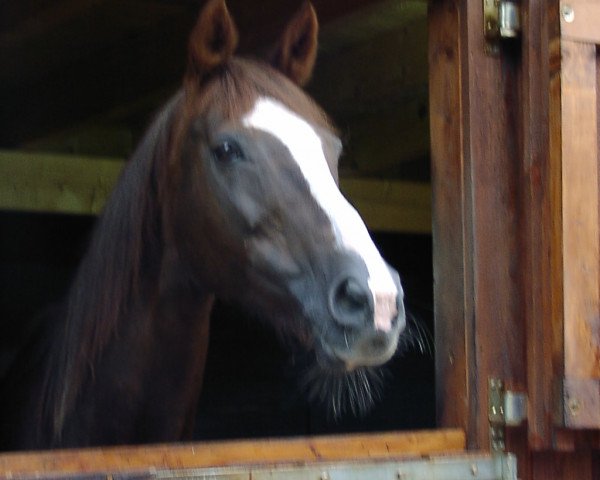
(40, 182)
(221, 454)
(450, 290)
(478, 234)
(389, 205)
(540, 198)
(58, 183)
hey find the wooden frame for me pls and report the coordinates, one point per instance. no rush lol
(475, 222)
(355, 448)
(579, 98)
(507, 265)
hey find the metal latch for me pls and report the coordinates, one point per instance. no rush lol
(501, 19)
(505, 409)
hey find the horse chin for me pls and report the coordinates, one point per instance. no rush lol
(335, 359)
(344, 381)
(341, 391)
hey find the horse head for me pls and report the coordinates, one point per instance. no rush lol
(254, 202)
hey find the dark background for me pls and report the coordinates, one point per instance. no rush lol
(251, 386)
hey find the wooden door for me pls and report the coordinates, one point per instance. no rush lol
(516, 228)
(575, 98)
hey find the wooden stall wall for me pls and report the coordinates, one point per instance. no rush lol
(579, 98)
(515, 188)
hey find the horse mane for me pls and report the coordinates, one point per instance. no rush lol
(110, 276)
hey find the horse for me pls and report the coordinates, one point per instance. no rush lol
(232, 193)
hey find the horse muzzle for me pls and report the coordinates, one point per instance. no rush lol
(367, 324)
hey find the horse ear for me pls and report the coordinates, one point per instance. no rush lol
(213, 39)
(296, 52)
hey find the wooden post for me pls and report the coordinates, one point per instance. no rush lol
(476, 235)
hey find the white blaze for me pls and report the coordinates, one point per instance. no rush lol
(306, 148)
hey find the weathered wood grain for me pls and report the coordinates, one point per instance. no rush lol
(219, 454)
(553, 465)
(476, 229)
(581, 398)
(541, 212)
(388, 205)
(584, 21)
(580, 216)
(56, 183)
(453, 381)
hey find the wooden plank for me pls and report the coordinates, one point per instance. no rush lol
(59, 183)
(541, 207)
(553, 465)
(220, 454)
(392, 206)
(453, 386)
(543, 76)
(579, 20)
(380, 142)
(480, 185)
(89, 141)
(580, 218)
(56, 183)
(567, 440)
(492, 189)
(581, 398)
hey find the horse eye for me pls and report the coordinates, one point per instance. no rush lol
(228, 152)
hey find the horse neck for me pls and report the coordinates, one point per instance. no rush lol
(128, 279)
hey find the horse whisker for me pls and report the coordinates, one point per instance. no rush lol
(341, 391)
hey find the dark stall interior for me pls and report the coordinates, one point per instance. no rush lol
(81, 84)
(252, 387)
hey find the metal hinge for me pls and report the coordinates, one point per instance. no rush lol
(505, 409)
(501, 20)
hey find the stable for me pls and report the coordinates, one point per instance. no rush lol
(472, 158)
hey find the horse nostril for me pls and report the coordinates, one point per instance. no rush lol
(351, 295)
(349, 303)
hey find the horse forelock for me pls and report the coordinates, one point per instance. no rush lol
(234, 88)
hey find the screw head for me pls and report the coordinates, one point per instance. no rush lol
(568, 13)
(574, 406)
